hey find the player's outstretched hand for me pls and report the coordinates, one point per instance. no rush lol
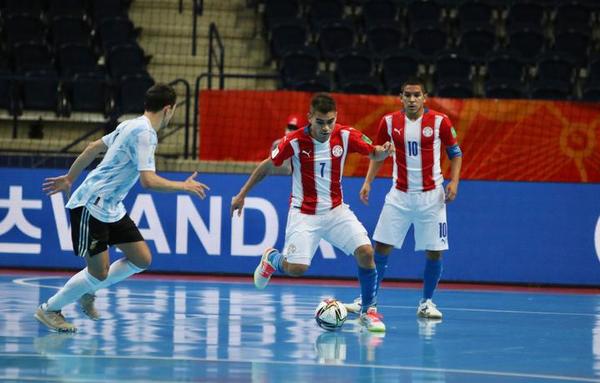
(389, 148)
(451, 191)
(364, 193)
(53, 185)
(237, 203)
(194, 187)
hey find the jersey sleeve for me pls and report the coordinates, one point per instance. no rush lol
(447, 132)
(359, 142)
(110, 137)
(282, 152)
(382, 132)
(145, 147)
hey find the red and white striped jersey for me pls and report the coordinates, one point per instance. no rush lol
(418, 148)
(317, 167)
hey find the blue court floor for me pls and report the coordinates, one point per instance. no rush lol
(168, 330)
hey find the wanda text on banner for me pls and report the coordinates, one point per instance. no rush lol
(509, 232)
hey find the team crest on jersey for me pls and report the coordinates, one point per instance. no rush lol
(427, 131)
(337, 151)
(291, 249)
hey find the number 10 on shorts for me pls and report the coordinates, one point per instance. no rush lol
(443, 229)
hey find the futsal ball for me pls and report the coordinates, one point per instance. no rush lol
(331, 314)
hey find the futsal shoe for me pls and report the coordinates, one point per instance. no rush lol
(264, 270)
(54, 320)
(372, 320)
(355, 306)
(86, 302)
(428, 309)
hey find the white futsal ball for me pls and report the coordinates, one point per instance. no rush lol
(331, 314)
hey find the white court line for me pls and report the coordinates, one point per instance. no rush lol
(313, 364)
(27, 282)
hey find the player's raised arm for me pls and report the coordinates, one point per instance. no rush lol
(53, 185)
(262, 170)
(150, 180)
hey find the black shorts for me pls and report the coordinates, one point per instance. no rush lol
(91, 236)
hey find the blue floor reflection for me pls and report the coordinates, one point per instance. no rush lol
(174, 330)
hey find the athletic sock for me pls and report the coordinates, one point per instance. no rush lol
(79, 284)
(276, 259)
(118, 271)
(368, 288)
(381, 265)
(431, 277)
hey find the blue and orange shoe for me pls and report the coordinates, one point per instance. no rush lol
(264, 270)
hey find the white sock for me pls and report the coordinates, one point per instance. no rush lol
(119, 270)
(79, 284)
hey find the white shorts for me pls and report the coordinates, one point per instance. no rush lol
(339, 226)
(426, 211)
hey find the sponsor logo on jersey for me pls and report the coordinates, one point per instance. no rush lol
(428, 131)
(338, 150)
(291, 249)
(453, 132)
(366, 139)
(307, 152)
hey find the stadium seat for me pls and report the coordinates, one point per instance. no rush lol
(40, 91)
(32, 56)
(555, 66)
(361, 86)
(107, 9)
(591, 90)
(384, 39)
(277, 11)
(89, 93)
(429, 40)
(132, 89)
(505, 65)
(419, 12)
(31, 7)
(70, 29)
(354, 64)
(477, 42)
(527, 42)
(334, 38)
(7, 90)
(504, 88)
(116, 31)
(593, 67)
(550, 90)
(571, 14)
(77, 58)
(19, 28)
(398, 67)
(475, 14)
(450, 65)
(526, 14)
(287, 35)
(299, 64)
(324, 12)
(454, 89)
(72, 8)
(316, 83)
(125, 59)
(380, 12)
(573, 42)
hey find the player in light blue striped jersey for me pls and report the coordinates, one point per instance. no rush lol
(98, 217)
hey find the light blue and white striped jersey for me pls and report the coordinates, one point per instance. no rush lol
(130, 150)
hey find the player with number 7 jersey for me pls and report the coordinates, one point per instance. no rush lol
(317, 211)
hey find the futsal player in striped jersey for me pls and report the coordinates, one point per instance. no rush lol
(317, 211)
(417, 196)
(98, 217)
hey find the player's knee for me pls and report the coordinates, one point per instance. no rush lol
(296, 269)
(434, 255)
(100, 273)
(143, 262)
(364, 256)
(383, 248)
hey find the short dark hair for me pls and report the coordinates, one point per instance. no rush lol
(159, 96)
(414, 81)
(322, 103)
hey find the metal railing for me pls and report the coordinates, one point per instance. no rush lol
(214, 56)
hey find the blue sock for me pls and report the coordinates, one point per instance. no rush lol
(276, 259)
(368, 287)
(431, 277)
(381, 265)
